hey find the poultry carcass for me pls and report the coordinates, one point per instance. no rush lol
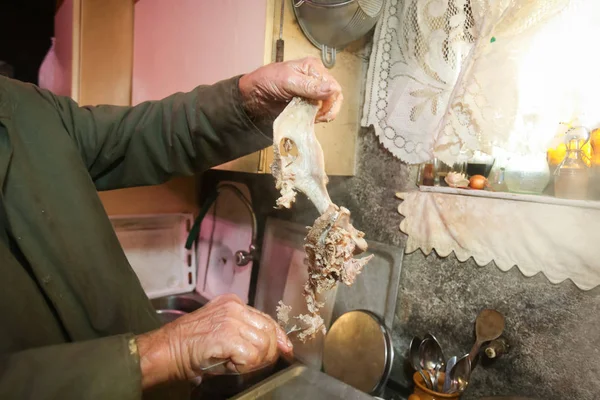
(332, 241)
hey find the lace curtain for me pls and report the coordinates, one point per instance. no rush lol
(448, 77)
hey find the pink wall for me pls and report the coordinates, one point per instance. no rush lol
(56, 69)
(179, 44)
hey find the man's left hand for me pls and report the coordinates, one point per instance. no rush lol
(267, 90)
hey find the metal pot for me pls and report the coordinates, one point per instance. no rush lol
(332, 24)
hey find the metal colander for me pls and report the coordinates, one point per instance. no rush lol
(332, 24)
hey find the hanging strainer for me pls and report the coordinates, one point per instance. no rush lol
(332, 24)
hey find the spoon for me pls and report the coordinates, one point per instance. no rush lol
(211, 366)
(415, 360)
(449, 365)
(460, 374)
(431, 357)
(413, 353)
(488, 326)
(440, 360)
(436, 377)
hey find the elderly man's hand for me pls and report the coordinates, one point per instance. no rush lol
(225, 328)
(267, 90)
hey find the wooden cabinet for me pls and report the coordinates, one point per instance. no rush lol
(124, 52)
(91, 59)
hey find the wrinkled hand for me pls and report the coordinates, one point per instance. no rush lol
(267, 90)
(225, 328)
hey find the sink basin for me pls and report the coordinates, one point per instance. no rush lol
(169, 308)
(300, 382)
(507, 398)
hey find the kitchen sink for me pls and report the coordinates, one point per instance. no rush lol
(169, 308)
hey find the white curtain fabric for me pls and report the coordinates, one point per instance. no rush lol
(558, 240)
(448, 77)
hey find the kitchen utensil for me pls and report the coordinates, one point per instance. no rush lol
(330, 25)
(279, 45)
(358, 351)
(460, 374)
(438, 349)
(449, 365)
(415, 360)
(421, 392)
(431, 356)
(413, 353)
(436, 376)
(423, 363)
(488, 326)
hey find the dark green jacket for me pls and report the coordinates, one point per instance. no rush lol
(69, 300)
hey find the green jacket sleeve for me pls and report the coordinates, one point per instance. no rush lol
(97, 369)
(179, 135)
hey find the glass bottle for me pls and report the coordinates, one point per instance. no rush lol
(571, 177)
(594, 186)
(425, 174)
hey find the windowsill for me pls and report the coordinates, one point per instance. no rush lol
(513, 196)
(535, 233)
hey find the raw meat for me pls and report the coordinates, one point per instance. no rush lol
(283, 313)
(332, 241)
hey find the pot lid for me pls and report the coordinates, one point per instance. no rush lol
(358, 351)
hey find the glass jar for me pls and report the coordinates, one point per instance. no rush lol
(498, 180)
(527, 174)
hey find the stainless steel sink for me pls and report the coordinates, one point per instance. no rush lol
(169, 308)
(507, 398)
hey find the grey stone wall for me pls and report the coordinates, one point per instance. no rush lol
(554, 330)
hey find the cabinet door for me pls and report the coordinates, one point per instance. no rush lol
(180, 44)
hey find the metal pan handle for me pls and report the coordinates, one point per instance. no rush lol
(328, 56)
(298, 3)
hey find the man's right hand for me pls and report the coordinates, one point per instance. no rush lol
(225, 328)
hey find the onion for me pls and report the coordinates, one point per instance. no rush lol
(478, 182)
